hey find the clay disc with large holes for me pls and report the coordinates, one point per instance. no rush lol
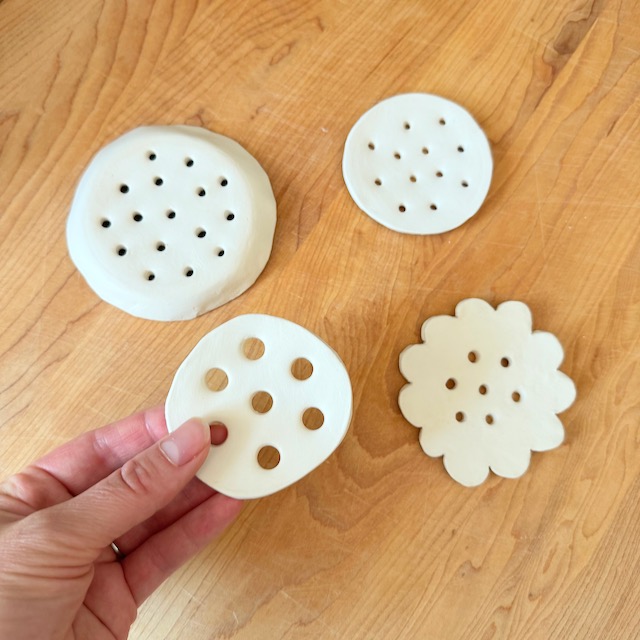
(418, 164)
(283, 394)
(484, 389)
(169, 222)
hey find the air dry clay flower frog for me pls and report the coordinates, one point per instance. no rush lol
(484, 389)
(283, 394)
(169, 222)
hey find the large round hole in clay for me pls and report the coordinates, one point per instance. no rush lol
(313, 418)
(301, 369)
(262, 401)
(253, 348)
(268, 457)
(216, 379)
(219, 434)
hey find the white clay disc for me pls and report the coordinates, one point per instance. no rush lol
(485, 390)
(171, 221)
(418, 164)
(289, 379)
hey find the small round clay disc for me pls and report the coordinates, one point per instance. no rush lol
(417, 164)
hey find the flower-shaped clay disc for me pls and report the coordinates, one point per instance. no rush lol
(171, 221)
(485, 390)
(283, 394)
(418, 164)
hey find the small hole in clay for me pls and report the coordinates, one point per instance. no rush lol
(158, 182)
(460, 416)
(189, 162)
(313, 418)
(151, 156)
(253, 348)
(402, 208)
(505, 362)
(188, 272)
(224, 182)
(122, 251)
(425, 150)
(465, 184)
(489, 419)
(220, 253)
(106, 223)
(137, 217)
(442, 121)
(268, 457)
(516, 397)
(439, 174)
(372, 146)
(450, 383)
(473, 356)
(433, 207)
(124, 188)
(161, 246)
(171, 215)
(378, 181)
(301, 369)
(219, 433)
(461, 149)
(396, 155)
(483, 389)
(202, 192)
(262, 402)
(201, 233)
(412, 178)
(216, 379)
(150, 276)
(230, 216)
(407, 125)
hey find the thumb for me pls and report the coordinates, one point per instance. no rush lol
(133, 493)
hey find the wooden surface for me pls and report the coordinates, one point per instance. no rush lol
(378, 542)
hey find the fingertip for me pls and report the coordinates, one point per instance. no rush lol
(186, 442)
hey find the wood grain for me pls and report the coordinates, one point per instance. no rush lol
(378, 542)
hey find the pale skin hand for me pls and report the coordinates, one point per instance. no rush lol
(128, 482)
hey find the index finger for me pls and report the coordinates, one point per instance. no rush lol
(89, 458)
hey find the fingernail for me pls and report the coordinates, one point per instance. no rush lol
(186, 442)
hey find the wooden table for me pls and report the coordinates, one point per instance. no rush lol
(378, 542)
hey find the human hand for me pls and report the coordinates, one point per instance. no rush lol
(129, 483)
